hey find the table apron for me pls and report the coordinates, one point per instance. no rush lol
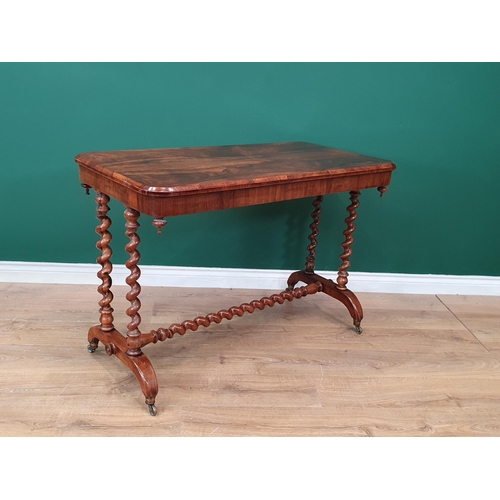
(168, 205)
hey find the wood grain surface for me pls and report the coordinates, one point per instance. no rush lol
(166, 172)
(424, 366)
(168, 182)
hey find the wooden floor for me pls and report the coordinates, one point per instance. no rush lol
(424, 366)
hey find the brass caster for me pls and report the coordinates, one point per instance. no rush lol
(358, 329)
(152, 409)
(91, 349)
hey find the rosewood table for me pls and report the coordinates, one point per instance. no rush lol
(167, 182)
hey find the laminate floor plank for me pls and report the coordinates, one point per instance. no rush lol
(480, 315)
(424, 366)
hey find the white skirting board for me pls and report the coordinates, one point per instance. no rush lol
(265, 279)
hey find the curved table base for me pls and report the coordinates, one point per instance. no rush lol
(330, 288)
(115, 343)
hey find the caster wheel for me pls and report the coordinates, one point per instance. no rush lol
(152, 409)
(91, 349)
(358, 329)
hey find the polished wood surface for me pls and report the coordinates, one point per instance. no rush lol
(349, 240)
(193, 325)
(167, 182)
(424, 366)
(313, 237)
(170, 172)
(104, 260)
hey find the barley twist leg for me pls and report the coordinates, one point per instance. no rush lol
(133, 331)
(335, 290)
(149, 383)
(104, 274)
(311, 258)
(342, 277)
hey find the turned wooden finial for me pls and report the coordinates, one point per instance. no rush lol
(382, 190)
(159, 223)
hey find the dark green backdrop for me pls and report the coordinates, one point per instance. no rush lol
(440, 123)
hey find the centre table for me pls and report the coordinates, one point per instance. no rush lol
(168, 182)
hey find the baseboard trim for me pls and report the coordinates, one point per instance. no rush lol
(265, 279)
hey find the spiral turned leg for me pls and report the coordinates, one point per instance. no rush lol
(126, 349)
(311, 258)
(342, 277)
(337, 290)
(104, 274)
(133, 332)
(133, 355)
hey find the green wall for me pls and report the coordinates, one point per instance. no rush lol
(439, 122)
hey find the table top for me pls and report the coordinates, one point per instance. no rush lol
(164, 182)
(220, 168)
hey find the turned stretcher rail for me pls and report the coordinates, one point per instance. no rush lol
(181, 328)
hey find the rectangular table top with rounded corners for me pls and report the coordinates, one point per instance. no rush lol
(176, 181)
